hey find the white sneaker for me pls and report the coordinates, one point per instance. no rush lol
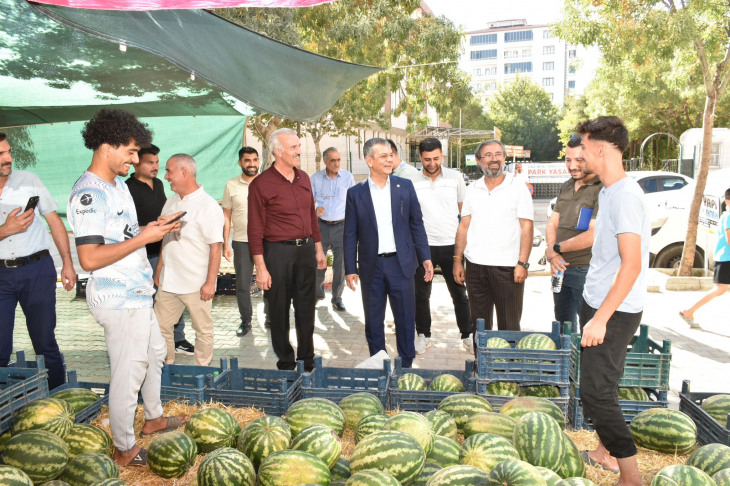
(468, 344)
(420, 344)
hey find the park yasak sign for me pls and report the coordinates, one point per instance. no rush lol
(554, 172)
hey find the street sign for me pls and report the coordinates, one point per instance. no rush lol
(514, 150)
(471, 159)
(526, 154)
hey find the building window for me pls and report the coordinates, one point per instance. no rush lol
(511, 54)
(519, 36)
(490, 71)
(480, 55)
(494, 84)
(547, 50)
(548, 66)
(552, 96)
(480, 40)
(518, 67)
(477, 72)
(571, 84)
(571, 53)
(571, 70)
(545, 34)
(548, 81)
(526, 52)
(478, 86)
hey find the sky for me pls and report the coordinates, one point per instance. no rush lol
(474, 14)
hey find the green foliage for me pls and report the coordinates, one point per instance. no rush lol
(472, 115)
(21, 147)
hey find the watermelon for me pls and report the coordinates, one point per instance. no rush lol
(88, 439)
(38, 453)
(490, 423)
(539, 440)
(573, 465)
(171, 455)
(90, 468)
(77, 398)
(576, 482)
(517, 407)
(212, 428)
(497, 342)
(291, 468)
(320, 441)
(463, 406)
(262, 437)
(485, 451)
(51, 414)
(372, 477)
(633, 393)
(458, 476)
(56, 482)
(664, 430)
(110, 482)
(445, 452)
(415, 425)
(339, 482)
(515, 473)
(721, 478)
(312, 411)
(411, 381)
(442, 423)
(226, 466)
(536, 341)
(359, 405)
(341, 469)
(718, 406)
(396, 453)
(429, 469)
(504, 389)
(710, 458)
(11, 476)
(545, 391)
(4, 440)
(682, 475)
(549, 476)
(447, 383)
(370, 424)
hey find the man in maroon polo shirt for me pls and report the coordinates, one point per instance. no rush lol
(286, 246)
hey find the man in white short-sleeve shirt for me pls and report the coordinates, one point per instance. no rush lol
(188, 266)
(495, 239)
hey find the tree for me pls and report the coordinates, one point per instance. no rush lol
(22, 148)
(527, 116)
(469, 115)
(690, 37)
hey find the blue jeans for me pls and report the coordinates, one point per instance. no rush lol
(180, 326)
(569, 301)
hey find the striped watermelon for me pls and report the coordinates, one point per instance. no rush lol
(682, 475)
(4, 440)
(226, 466)
(88, 439)
(55, 482)
(485, 451)
(110, 482)
(459, 476)
(442, 423)
(262, 437)
(415, 425)
(718, 406)
(312, 411)
(341, 469)
(463, 406)
(515, 473)
(372, 477)
(12, 476)
(370, 424)
(445, 452)
(51, 414)
(212, 428)
(549, 476)
(89, 468)
(172, 454)
(497, 342)
(38, 453)
(320, 441)
(359, 405)
(545, 391)
(539, 440)
(536, 341)
(722, 478)
(573, 465)
(633, 393)
(576, 482)
(664, 430)
(517, 407)
(291, 468)
(396, 453)
(429, 469)
(339, 482)
(77, 398)
(447, 383)
(710, 458)
(490, 423)
(411, 381)
(504, 389)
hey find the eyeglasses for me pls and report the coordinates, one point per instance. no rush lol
(490, 155)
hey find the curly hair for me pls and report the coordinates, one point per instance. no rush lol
(609, 129)
(115, 127)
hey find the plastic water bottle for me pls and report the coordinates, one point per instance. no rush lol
(557, 281)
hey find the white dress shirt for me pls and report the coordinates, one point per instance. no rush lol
(383, 216)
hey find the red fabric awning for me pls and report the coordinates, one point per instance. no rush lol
(179, 4)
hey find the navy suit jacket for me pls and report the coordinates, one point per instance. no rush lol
(361, 229)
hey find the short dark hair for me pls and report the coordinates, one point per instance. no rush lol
(3, 136)
(429, 145)
(609, 129)
(575, 140)
(727, 193)
(115, 127)
(327, 152)
(247, 150)
(152, 150)
(393, 146)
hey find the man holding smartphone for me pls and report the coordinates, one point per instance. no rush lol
(27, 273)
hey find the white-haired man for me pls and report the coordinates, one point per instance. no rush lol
(286, 245)
(188, 266)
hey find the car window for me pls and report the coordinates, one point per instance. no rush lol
(649, 185)
(672, 183)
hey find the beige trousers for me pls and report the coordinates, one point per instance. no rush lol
(169, 307)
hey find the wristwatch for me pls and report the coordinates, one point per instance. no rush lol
(523, 264)
(556, 248)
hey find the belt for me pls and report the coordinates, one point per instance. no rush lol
(331, 223)
(386, 255)
(19, 262)
(297, 242)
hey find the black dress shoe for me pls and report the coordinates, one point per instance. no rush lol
(339, 306)
(243, 329)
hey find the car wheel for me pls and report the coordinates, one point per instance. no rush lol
(671, 257)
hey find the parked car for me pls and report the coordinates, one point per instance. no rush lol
(537, 259)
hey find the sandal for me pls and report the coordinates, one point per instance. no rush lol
(172, 424)
(688, 320)
(140, 459)
(592, 462)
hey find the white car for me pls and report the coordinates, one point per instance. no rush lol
(537, 258)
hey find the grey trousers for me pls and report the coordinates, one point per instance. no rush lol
(243, 264)
(332, 237)
(180, 326)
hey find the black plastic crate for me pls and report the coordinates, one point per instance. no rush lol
(630, 408)
(20, 386)
(226, 284)
(426, 400)
(337, 383)
(709, 430)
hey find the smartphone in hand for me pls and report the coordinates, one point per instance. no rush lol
(174, 220)
(32, 203)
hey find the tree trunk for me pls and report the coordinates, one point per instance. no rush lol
(317, 154)
(690, 243)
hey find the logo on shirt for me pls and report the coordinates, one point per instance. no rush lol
(120, 212)
(86, 199)
(127, 232)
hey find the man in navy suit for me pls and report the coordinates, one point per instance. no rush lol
(384, 229)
